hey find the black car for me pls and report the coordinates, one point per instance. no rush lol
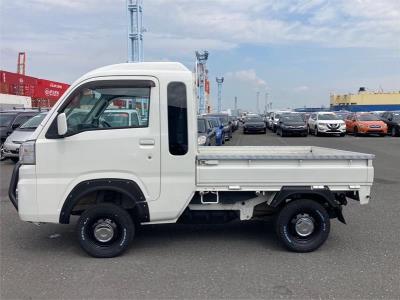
(10, 120)
(224, 119)
(254, 124)
(392, 120)
(291, 124)
(206, 135)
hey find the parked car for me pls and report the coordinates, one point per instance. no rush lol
(206, 135)
(224, 119)
(9, 121)
(392, 120)
(122, 118)
(365, 123)
(326, 123)
(342, 114)
(20, 135)
(254, 124)
(292, 124)
(219, 130)
(275, 118)
(235, 122)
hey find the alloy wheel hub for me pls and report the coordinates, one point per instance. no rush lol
(304, 225)
(104, 231)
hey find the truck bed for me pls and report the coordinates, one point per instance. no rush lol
(271, 167)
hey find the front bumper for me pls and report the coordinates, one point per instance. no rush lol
(295, 130)
(254, 129)
(11, 150)
(327, 130)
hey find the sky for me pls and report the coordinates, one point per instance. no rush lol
(295, 53)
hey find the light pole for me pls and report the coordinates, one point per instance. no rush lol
(201, 60)
(220, 80)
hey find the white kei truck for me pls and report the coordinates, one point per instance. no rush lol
(116, 175)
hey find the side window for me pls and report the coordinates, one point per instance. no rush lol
(108, 104)
(177, 118)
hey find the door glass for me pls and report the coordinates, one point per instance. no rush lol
(177, 118)
(111, 105)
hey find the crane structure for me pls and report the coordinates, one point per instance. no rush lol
(135, 30)
(219, 80)
(201, 78)
(21, 63)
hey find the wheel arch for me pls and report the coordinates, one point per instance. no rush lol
(133, 196)
(322, 195)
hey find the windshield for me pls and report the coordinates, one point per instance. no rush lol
(201, 126)
(328, 117)
(293, 118)
(214, 122)
(254, 119)
(5, 119)
(34, 122)
(368, 117)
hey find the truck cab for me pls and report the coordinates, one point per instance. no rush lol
(116, 175)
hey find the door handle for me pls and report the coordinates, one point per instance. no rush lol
(147, 142)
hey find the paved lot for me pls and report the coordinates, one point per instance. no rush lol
(359, 260)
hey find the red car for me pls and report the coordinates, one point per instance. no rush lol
(365, 123)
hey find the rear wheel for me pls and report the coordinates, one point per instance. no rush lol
(105, 230)
(303, 225)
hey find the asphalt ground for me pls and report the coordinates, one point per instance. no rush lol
(237, 260)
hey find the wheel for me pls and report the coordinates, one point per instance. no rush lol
(316, 133)
(105, 230)
(355, 130)
(393, 131)
(342, 134)
(15, 159)
(2, 156)
(223, 139)
(283, 134)
(303, 225)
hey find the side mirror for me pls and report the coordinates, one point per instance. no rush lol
(15, 126)
(62, 126)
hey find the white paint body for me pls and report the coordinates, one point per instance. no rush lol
(169, 182)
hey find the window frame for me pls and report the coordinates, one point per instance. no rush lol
(135, 83)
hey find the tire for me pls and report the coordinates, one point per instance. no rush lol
(355, 131)
(342, 134)
(310, 239)
(283, 134)
(2, 157)
(393, 132)
(223, 139)
(111, 216)
(316, 133)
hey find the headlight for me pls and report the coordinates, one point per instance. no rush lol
(343, 125)
(201, 140)
(27, 154)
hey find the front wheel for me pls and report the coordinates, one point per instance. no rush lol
(303, 225)
(2, 156)
(105, 230)
(393, 131)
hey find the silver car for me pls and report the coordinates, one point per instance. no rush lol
(19, 135)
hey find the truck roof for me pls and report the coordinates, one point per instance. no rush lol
(143, 68)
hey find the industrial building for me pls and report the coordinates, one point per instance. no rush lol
(366, 101)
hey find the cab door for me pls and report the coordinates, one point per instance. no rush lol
(101, 142)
